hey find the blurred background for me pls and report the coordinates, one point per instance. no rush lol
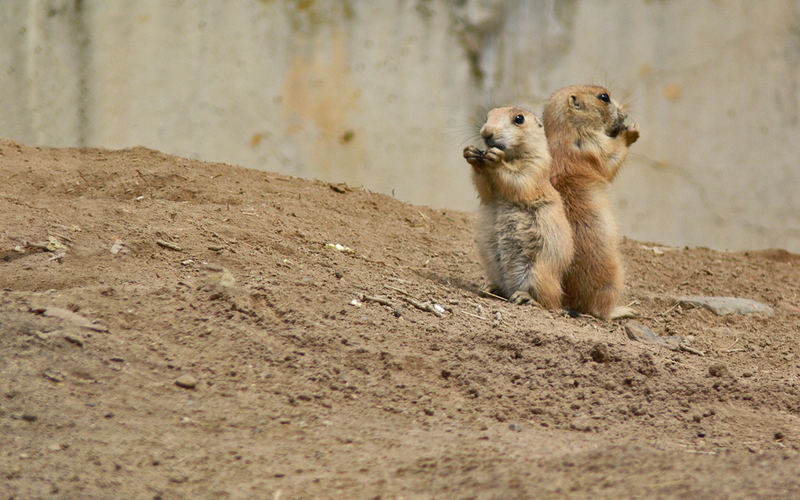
(386, 94)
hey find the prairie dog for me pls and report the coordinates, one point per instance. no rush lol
(524, 239)
(589, 140)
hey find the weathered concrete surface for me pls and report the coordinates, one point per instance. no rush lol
(384, 94)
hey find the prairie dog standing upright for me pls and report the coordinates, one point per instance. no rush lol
(589, 141)
(524, 239)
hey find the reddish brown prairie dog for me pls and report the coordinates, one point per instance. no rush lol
(589, 140)
(524, 239)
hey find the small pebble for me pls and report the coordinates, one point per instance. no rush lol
(600, 354)
(728, 305)
(718, 370)
(515, 427)
(186, 381)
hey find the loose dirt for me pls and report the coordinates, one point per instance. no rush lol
(177, 329)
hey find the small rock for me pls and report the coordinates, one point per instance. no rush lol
(718, 370)
(74, 339)
(779, 435)
(76, 319)
(600, 354)
(186, 381)
(53, 375)
(581, 424)
(117, 246)
(54, 447)
(427, 411)
(728, 305)
(340, 248)
(637, 331)
(29, 417)
(218, 278)
(515, 427)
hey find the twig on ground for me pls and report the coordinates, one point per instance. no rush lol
(398, 290)
(676, 304)
(691, 350)
(379, 300)
(383, 301)
(423, 306)
(167, 244)
(475, 315)
(490, 294)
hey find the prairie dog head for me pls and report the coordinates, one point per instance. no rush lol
(586, 109)
(516, 131)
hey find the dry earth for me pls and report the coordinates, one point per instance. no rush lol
(289, 390)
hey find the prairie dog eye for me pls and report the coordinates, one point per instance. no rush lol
(519, 119)
(604, 97)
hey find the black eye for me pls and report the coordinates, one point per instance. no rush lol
(604, 97)
(519, 119)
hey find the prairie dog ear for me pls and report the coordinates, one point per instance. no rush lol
(573, 99)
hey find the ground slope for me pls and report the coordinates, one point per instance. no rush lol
(124, 272)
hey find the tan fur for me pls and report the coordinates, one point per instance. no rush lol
(524, 238)
(589, 141)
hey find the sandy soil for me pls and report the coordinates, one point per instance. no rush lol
(178, 329)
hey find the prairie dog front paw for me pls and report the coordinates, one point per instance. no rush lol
(631, 134)
(495, 155)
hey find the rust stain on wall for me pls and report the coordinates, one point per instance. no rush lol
(319, 97)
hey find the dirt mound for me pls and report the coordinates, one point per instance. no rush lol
(175, 329)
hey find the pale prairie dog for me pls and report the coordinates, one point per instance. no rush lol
(589, 139)
(523, 236)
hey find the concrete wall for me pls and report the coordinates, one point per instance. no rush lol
(385, 94)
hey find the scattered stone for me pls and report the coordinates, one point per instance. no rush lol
(76, 319)
(169, 245)
(29, 417)
(74, 339)
(427, 411)
(53, 375)
(728, 305)
(701, 434)
(54, 447)
(186, 381)
(117, 247)
(219, 280)
(637, 331)
(581, 424)
(718, 370)
(515, 427)
(779, 435)
(600, 354)
(339, 247)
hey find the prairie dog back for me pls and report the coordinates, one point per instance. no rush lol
(589, 137)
